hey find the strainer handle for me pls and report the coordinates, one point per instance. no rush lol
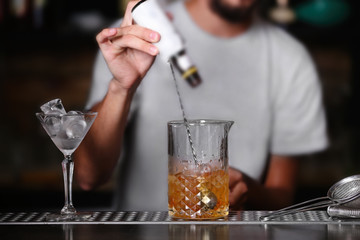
(343, 212)
(299, 207)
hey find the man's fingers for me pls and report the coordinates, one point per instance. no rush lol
(111, 33)
(140, 32)
(235, 176)
(127, 20)
(133, 36)
(238, 194)
(105, 35)
(130, 41)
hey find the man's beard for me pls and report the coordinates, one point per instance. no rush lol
(233, 14)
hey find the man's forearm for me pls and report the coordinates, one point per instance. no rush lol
(279, 187)
(267, 198)
(97, 156)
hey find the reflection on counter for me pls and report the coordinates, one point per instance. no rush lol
(162, 231)
(68, 232)
(203, 232)
(348, 232)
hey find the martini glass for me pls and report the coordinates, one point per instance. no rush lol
(67, 131)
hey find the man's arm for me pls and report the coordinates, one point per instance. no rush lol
(129, 53)
(97, 156)
(277, 191)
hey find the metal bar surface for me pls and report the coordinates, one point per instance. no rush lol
(239, 217)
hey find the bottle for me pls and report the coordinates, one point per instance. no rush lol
(149, 14)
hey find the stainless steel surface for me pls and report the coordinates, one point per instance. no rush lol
(241, 217)
(314, 225)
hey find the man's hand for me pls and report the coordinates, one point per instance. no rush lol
(128, 50)
(238, 189)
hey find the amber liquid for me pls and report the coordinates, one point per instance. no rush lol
(189, 195)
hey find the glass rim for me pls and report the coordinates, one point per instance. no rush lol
(193, 122)
(66, 114)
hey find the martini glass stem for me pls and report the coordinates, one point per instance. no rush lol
(68, 169)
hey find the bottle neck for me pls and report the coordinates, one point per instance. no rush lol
(187, 69)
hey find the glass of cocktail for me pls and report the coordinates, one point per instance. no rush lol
(66, 130)
(198, 180)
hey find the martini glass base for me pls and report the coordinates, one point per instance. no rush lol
(78, 216)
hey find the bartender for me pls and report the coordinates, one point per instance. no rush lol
(253, 73)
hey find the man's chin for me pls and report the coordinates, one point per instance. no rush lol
(238, 3)
(241, 14)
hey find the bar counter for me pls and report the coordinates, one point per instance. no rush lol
(309, 225)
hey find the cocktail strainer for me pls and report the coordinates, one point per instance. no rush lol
(344, 191)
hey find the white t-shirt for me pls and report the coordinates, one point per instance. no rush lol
(264, 80)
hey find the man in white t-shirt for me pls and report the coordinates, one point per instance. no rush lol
(253, 73)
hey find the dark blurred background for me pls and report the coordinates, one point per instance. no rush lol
(47, 49)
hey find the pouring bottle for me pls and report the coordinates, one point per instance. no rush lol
(149, 14)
